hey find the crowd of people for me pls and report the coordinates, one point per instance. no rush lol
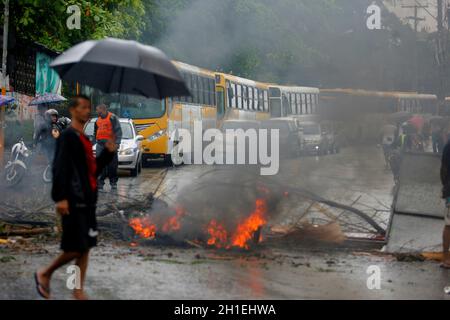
(415, 135)
(422, 136)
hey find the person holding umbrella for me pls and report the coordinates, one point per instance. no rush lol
(74, 190)
(113, 66)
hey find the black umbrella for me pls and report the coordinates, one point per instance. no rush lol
(121, 66)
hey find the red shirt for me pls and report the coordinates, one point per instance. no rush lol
(91, 163)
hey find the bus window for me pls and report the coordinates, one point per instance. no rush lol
(260, 101)
(304, 110)
(183, 98)
(246, 98)
(230, 94)
(206, 94)
(313, 104)
(239, 96)
(212, 96)
(235, 95)
(251, 98)
(308, 103)
(220, 102)
(266, 100)
(200, 90)
(293, 103)
(194, 88)
(284, 105)
(190, 99)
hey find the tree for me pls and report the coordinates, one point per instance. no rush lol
(320, 43)
(44, 21)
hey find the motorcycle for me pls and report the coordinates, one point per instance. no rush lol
(18, 163)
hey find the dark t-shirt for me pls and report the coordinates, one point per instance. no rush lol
(91, 164)
(445, 167)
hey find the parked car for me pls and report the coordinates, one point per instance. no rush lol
(130, 150)
(316, 140)
(290, 137)
(329, 130)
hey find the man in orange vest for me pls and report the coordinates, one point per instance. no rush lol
(106, 128)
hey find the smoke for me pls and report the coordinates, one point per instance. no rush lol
(311, 43)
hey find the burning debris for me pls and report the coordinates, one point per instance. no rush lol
(143, 227)
(215, 234)
(233, 209)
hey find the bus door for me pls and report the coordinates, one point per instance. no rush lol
(275, 102)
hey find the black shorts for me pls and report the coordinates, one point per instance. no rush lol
(79, 230)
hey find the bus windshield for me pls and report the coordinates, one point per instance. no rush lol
(130, 106)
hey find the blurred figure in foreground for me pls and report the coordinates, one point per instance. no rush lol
(445, 179)
(107, 127)
(74, 190)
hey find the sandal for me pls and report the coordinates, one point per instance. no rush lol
(42, 291)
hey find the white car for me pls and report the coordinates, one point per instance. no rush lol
(130, 150)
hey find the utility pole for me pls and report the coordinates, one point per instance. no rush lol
(416, 19)
(441, 47)
(4, 61)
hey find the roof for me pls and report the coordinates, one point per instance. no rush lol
(296, 89)
(244, 81)
(381, 94)
(193, 69)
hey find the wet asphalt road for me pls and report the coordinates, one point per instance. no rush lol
(118, 271)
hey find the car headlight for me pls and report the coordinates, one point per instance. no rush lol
(128, 152)
(157, 135)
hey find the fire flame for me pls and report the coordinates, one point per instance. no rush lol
(143, 227)
(173, 223)
(217, 234)
(244, 232)
(246, 229)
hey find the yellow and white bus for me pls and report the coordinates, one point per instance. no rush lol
(241, 99)
(293, 101)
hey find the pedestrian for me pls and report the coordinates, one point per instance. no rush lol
(74, 191)
(388, 135)
(43, 134)
(107, 127)
(39, 120)
(445, 179)
(437, 139)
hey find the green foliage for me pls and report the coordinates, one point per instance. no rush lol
(44, 21)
